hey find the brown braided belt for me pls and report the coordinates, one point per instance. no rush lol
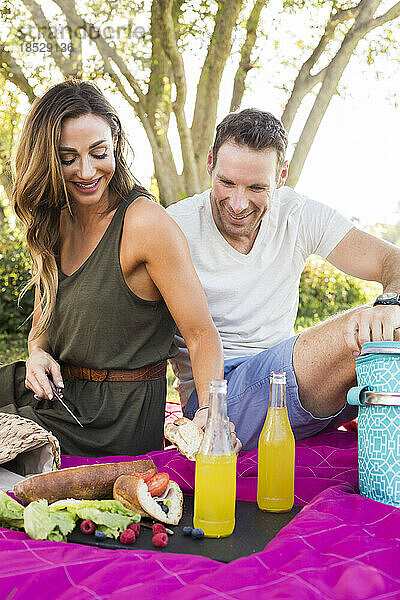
(147, 373)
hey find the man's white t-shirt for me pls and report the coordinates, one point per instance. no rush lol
(253, 298)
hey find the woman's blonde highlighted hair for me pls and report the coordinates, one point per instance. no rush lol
(40, 192)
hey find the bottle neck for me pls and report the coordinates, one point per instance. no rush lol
(216, 438)
(217, 401)
(277, 394)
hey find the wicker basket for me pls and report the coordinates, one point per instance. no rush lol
(26, 447)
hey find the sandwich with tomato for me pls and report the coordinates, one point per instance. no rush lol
(150, 494)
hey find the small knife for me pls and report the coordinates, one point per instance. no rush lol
(57, 395)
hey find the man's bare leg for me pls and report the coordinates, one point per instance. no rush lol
(324, 366)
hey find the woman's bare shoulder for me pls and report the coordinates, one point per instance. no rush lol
(145, 215)
(158, 235)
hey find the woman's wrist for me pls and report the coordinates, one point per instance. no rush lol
(38, 344)
(36, 350)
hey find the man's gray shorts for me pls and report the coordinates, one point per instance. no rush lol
(248, 396)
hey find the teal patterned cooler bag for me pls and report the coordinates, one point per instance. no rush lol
(378, 397)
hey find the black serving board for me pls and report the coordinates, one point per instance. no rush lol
(253, 530)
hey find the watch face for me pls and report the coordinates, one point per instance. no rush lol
(388, 296)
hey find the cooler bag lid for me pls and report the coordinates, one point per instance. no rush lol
(389, 347)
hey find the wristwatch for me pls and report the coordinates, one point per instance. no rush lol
(389, 298)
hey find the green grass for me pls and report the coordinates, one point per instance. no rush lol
(14, 347)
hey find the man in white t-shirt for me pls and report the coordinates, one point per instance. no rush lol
(249, 238)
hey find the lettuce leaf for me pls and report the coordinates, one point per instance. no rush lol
(110, 516)
(55, 521)
(111, 506)
(11, 512)
(42, 523)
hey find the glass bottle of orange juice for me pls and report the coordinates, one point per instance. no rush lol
(275, 486)
(215, 480)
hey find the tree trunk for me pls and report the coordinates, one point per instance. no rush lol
(332, 74)
(13, 72)
(170, 47)
(245, 55)
(169, 188)
(328, 88)
(154, 106)
(170, 184)
(205, 111)
(68, 66)
(6, 180)
(5, 171)
(305, 82)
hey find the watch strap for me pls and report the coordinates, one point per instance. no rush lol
(395, 301)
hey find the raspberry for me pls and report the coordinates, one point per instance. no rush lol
(160, 540)
(135, 527)
(87, 527)
(159, 528)
(127, 537)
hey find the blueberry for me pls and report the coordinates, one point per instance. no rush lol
(99, 535)
(197, 534)
(163, 506)
(187, 530)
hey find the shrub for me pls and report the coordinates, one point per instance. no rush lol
(15, 272)
(324, 291)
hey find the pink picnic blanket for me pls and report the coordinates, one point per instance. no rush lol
(340, 546)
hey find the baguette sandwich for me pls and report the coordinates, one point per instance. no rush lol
(133, 493)
(185, 435)
(87, 482)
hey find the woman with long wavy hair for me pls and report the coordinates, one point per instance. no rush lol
(113, 276)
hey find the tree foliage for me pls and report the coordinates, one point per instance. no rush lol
(324, 292)
(390, 233)
(142, 51)
(15, 272)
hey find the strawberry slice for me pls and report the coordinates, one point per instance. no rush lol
(158, 484)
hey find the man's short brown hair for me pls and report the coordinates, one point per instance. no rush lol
(254, 128)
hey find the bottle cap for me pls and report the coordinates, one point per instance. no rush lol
(278, 377)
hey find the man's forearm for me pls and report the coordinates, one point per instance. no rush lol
(391, 272)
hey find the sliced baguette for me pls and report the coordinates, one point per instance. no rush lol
(186, 436)
(133, 493)
(87, 482)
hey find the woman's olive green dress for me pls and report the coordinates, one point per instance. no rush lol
(98, 322)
